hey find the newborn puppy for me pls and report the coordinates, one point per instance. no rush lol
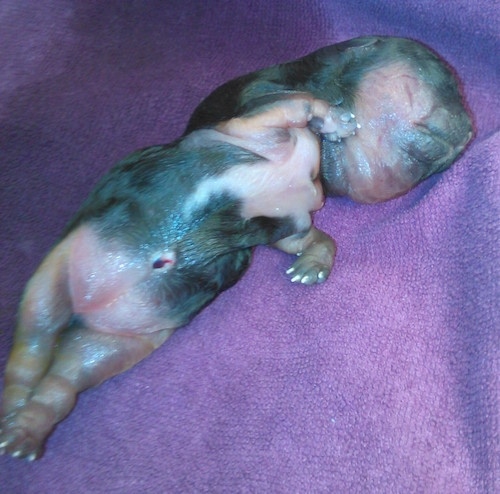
(162, 234)
(407, 102)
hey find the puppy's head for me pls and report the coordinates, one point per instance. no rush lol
(412, 124)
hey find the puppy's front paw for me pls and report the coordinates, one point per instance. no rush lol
(336, 124)
(339, 124)
(308, 270)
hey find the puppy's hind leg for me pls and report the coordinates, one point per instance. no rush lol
(45, 311)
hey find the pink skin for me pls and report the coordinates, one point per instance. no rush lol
(90, 311)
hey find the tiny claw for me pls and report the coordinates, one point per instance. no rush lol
(290, 270)
(305, 279)
(358, 126)
(31, 457)
(16, 454)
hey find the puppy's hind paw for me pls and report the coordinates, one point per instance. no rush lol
(18, 442)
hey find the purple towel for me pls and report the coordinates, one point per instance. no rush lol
(385, 379)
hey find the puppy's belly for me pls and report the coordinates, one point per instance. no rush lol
(114, 290)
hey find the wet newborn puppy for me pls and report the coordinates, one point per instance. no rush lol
(162, 234)
(407, 102)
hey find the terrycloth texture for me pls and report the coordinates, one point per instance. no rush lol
(383, 380)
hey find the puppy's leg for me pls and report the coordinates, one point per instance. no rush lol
(296, 110)
(44, 312)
